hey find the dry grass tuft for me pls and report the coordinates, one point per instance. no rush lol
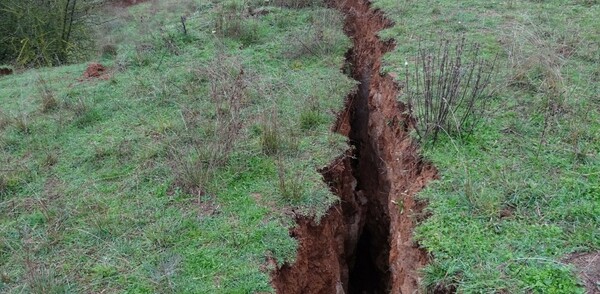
(536, 62)
(220, 129)
(49, 101)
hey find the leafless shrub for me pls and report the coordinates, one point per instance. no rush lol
(221, 127)
(447, 89)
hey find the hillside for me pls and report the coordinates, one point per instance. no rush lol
(281, 146)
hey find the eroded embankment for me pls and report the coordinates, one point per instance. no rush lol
(363, 244)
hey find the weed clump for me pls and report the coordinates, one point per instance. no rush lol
(311, 116)
(290, 186)
(536, 63)
(321, 37)
(270, 140)
(49, 101)
(221, 128)
(22, 124)
(310, 119)
(4, 120)
(233, 20)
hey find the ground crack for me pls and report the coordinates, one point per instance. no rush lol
(363, 244)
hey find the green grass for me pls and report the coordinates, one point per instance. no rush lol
(125, 184)
(522, 191)
(110, 189)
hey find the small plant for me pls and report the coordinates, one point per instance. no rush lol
(270, 140)
(320, 38)
(310, 119)
(50, 159)
(3, 184)
(22, 123)
(79, 107)
(536, 63)
(220, 128)
(229, 18)
(109, 51)
(311, 116)
(4, 120)
(194, 173)
(232, 20)
(448, 89)
(49, 102)
(290, 187)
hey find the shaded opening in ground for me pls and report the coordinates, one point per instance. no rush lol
(363, 244)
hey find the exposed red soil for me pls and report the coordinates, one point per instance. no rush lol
(5, 71)
(364, 243)
(96, 71)
(588, 269)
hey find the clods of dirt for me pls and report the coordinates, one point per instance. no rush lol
(96, 71)
(588, 269)
(5, 71)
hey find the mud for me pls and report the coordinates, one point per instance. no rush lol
(364, 243)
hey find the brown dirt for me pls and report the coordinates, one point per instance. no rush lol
(364, 244)
(96, 71)
(588, 269)
(5, 71)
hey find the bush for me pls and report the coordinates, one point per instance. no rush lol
(448, 89)
(43, 32)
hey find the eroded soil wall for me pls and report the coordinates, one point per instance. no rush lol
(363, 244)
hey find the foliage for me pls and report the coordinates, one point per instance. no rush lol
(520, 193)
(107, 190)
(43, 33)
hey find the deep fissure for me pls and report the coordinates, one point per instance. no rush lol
(369, 269)
(363, 244)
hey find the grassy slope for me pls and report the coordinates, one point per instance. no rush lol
(89, 194)
(512, 202)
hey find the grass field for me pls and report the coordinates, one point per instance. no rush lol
(183, 167)
(523, 190)
(155, 179)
